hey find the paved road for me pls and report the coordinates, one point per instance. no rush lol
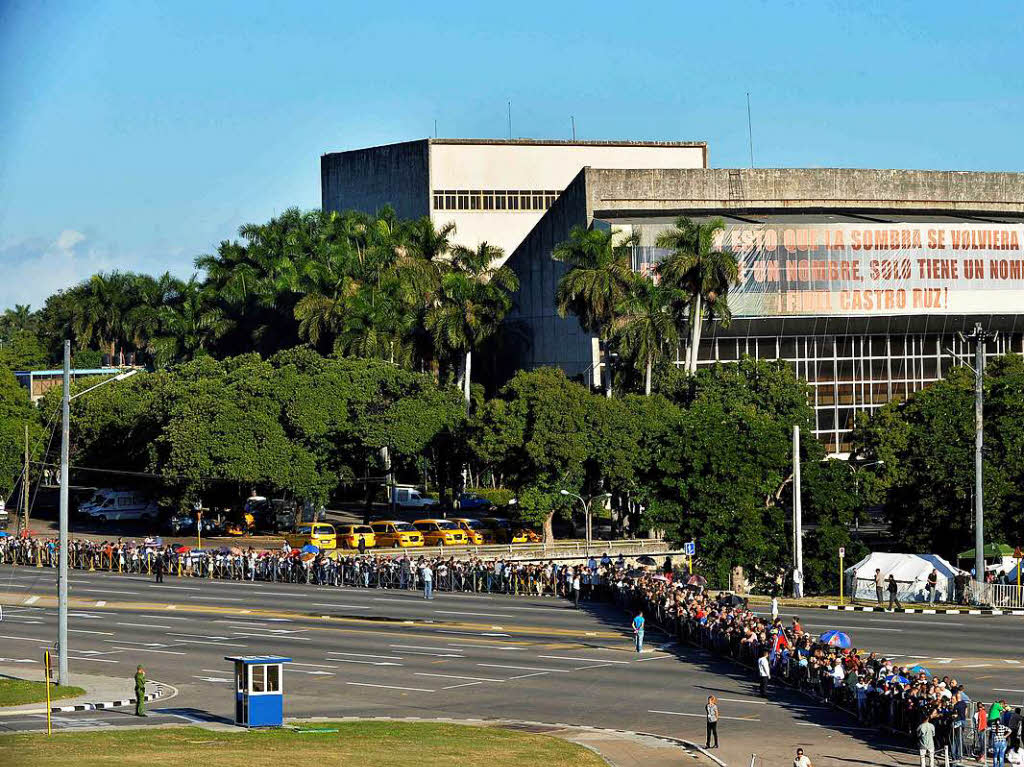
(373, 652)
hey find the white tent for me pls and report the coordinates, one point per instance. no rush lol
(910, 571)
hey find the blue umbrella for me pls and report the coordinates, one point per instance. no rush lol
(919, 669)
(309, 548)
(835, 638)
(897, 679)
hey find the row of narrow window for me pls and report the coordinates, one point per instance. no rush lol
(494, 199)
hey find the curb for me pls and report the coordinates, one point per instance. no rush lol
(920, 610)
(161, 691)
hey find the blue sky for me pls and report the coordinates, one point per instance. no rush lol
(138, 135)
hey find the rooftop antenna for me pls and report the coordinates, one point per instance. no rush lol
(435, 127)
(573, 119)
(750, 132)
(510, 119)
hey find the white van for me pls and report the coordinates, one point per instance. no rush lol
(119, 506)
(410, 498)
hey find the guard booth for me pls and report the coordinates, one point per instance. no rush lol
(259, 689)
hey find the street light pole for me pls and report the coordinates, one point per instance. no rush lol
(62, 570)
(979, 336)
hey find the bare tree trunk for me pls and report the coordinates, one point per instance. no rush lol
(549, 530)
(466, 377)
(647, 384)
(608, 373)
(695, 323)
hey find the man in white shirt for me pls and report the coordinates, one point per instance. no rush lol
(764, 670)
(428, 581)
(800, 760)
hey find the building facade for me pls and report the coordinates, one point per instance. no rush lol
(492, 190)
(862, 280)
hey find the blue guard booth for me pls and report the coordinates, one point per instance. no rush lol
(259, 689)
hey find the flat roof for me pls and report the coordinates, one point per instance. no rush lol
(74, 372)
(532, 142)
(839, 216)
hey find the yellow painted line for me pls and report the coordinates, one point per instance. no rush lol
(46, 600)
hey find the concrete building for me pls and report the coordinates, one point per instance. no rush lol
(861, 279)
(493, 190)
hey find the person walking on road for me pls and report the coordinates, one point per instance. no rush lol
(879, 585)
(893, 590)
(576, 589)
(764, 671)
(428, 582)
(638, 630)
(140, 691)
(712, 711)
(158, 567)
(800, 760)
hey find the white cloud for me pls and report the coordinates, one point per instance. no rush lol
(67, 239)
(32, 269)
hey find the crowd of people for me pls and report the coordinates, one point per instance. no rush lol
(936, 712)
(879, 692)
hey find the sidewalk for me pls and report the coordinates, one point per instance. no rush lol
(100, 692)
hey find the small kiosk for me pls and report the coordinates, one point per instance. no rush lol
(259, 689)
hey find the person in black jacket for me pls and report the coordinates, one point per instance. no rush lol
(158, 567)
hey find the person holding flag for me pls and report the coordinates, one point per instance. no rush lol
(638, 630)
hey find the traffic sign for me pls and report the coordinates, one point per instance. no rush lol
(1017, 553)
(690, 548)
(842, 552)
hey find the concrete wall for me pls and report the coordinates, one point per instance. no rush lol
(553, 340)
(368, 179)
(456, 164)
(779, 189)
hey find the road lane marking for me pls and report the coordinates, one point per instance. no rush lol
(701, 716)
(479, 615)
(107, 591)
(456, 676)
(203, 641)
(195, 636)
(365, 655)
(835, 726)
(31, 600)
(176, 588)
(270, 636)
(655, 657)
(365, 662)
(25, 639)
(222, 599)
(420, 647)
(526, 668)
(347, 607)
(150, 649)
(98, 660)
(390, 687)
(524, 676)
(744, 700)
(1003, 689)
(585, 660)
(87, 631)
(101, 602)
(464, 684)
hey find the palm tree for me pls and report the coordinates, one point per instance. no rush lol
(106, 303)
(645, 324)
(471, 303)
(597, 282)
(700, 271)
(189, 326)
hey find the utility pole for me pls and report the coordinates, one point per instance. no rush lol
(798, 522)
(63, 677)
(979, 336)
(25, 484)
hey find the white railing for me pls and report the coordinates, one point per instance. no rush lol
(1006, 596)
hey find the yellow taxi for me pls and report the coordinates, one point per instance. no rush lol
(395, 533)
(475, 530)
(440, 532)
(503, 530)
(349, 536)
(319, 534)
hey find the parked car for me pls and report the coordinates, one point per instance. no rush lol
(120, 506)
(319, 534)
(395, 533)
(475, 530)
(349, 535)
(410, 498)
(440, 532)
(474, 502)
(504, 531)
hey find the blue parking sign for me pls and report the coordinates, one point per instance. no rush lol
(690, 548)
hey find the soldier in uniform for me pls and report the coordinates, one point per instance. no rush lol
(140, 691)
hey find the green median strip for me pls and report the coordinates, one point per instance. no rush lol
(368, 744)
(17, 692)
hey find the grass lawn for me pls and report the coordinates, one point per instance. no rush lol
(368, 744)
(15, 692)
